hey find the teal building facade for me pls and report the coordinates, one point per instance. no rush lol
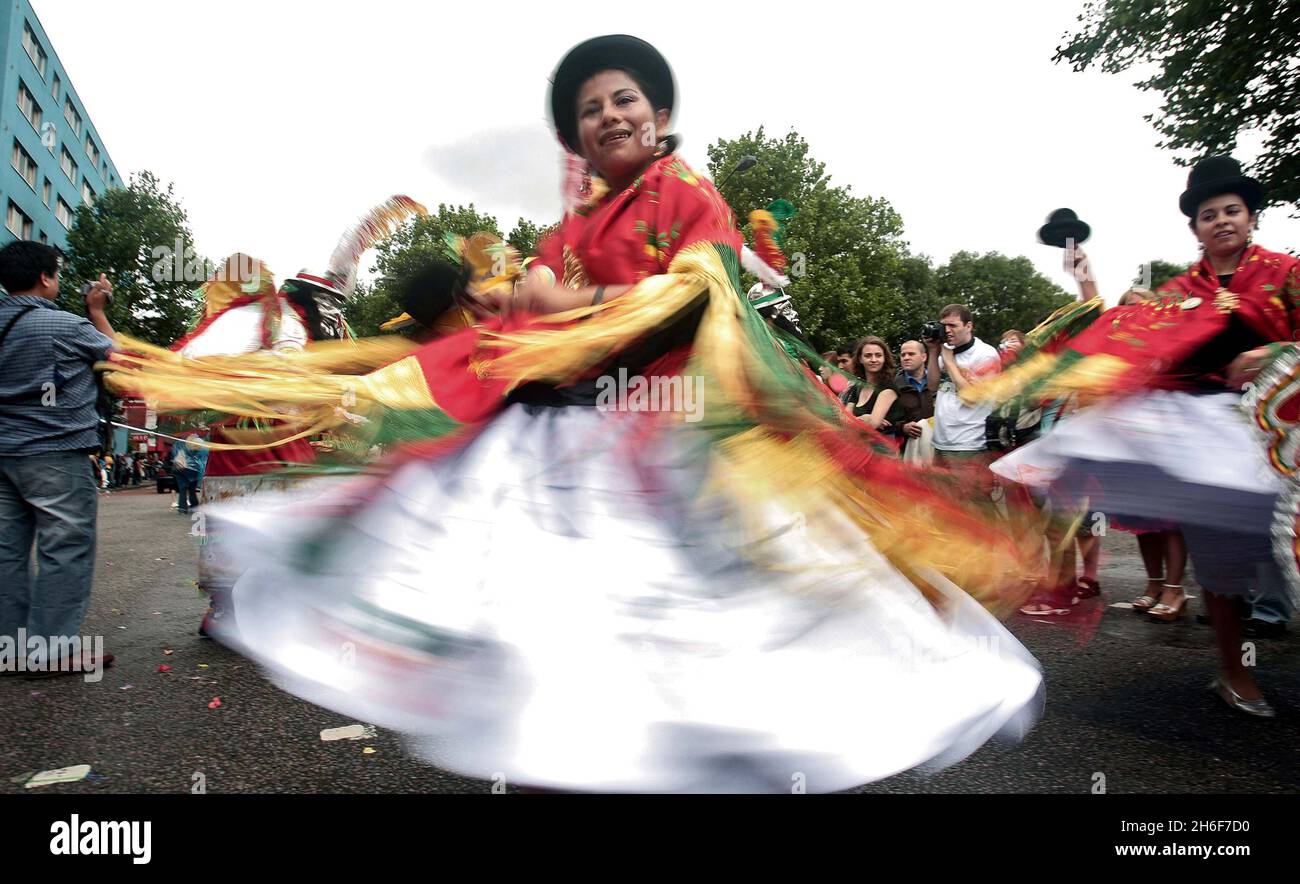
(55, 158)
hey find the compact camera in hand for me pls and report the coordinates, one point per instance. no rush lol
(85, 290)
(933, 331)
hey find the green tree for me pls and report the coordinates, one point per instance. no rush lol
(140, 237)
(1223, 66)
(848, 261)
(368, 309)
(527, 235)
(1003, 293)
(397, 257)
(1154, 274)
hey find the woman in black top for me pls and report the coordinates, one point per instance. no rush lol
(873, 400)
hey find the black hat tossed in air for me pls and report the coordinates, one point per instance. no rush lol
(1063, 225)
(1215, 176)
(614, 51)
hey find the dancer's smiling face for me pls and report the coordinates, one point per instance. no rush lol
(618, 126)
(1223, 224)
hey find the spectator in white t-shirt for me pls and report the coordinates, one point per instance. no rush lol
(955, 364)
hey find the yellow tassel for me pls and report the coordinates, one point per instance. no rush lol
(1091, 377)
(1010, 383)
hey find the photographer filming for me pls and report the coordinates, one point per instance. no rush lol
(48, 426)
(957, 360)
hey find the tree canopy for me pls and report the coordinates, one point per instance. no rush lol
(1154, 274)
(1003, 293)
(1224, 67)
(851, 271)
(397, 257)
(139, 236)
(846, 252)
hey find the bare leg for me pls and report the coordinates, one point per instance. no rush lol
(1090, 551)
(1176, 562)
(1152, 547)
(1225, 618)
(1175, 553)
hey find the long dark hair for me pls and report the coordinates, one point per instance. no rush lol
(885, 376)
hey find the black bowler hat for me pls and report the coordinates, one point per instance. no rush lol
(614, 51)
(1215, 176)
(1061, 225)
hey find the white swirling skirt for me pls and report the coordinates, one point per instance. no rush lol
(564, 604)
(1187, 459)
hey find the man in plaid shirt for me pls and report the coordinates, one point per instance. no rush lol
(48, 424)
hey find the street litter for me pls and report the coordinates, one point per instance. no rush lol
(351, 732)
(163, 667)
(167, 651)
(216, 701)
(126, 687)
(60, 775)
(368, 751)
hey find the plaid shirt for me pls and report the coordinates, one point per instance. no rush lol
(47, 386)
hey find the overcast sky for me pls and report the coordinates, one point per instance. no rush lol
(281, 122)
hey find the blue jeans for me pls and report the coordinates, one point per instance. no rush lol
(1270, 608)
(52, 499)
(187, 489)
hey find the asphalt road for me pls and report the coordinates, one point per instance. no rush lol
(1126, 699)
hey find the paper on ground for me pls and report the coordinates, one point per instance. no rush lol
(62, 775)
(351, 732)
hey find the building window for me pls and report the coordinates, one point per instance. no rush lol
(87, 193)
(68, 165)
(27, 104)
(63, 212)
(24, 165)
(33, 47)
(45, 239)
(45, 192)
(92, 151)
(58, 84)
(70, 114)
(18, 222)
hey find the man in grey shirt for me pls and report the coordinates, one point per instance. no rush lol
(48, 426)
